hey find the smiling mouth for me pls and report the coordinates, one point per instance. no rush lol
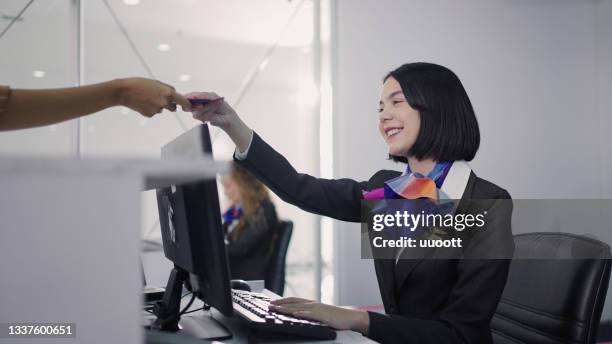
(390, 132)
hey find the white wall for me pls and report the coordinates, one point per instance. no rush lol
(529, 69)
(604, 82)
(603, 76)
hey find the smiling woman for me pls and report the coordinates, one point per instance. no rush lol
(428, 123)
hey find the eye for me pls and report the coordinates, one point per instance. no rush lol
(395, 102)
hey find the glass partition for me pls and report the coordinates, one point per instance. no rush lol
(258, 55)
(38, 51)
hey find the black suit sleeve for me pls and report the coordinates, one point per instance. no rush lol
(336, 198)
(474, 297)
(258, 231)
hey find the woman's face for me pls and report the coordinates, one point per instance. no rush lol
(398, 123)
(230, 189)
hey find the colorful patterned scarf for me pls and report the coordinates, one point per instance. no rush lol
(413, 185)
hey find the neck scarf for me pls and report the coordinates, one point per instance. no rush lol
(413, 185)
(232, 214)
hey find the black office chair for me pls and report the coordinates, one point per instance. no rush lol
(275, 274)
(553, 300)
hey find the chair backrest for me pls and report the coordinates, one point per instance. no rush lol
(275, 272)
(553, 300)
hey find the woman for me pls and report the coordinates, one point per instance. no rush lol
(427, 121)
(250, 224)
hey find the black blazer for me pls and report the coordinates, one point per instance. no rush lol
(249, 253)
(425, 300)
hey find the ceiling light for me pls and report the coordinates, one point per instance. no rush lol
(163, 47)
(184, 77)
(131, 2)
(39, 73)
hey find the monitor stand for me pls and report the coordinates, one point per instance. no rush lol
(169, 318)
(203, 327)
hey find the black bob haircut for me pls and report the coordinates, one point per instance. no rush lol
(449, 129)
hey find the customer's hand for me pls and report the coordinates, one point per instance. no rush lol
(148, 97)
(336, 317)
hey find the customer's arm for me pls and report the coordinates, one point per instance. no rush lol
(32, 108)
(337, 198)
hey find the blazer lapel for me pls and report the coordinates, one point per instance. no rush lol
(385, 267)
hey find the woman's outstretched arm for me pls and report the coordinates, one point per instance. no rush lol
(336, 198)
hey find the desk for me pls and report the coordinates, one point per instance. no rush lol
(240, 332)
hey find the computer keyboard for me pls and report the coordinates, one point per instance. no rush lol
(254, 308)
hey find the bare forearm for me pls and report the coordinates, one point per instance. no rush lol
(33, 108)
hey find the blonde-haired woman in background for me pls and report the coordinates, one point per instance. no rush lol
(250, 224)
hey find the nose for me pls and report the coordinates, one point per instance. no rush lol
(384, 115)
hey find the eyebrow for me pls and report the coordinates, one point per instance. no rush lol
(391, 96)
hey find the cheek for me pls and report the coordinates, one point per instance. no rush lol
(410, 137)
(412, 125)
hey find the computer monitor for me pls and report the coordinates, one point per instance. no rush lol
(193, 240)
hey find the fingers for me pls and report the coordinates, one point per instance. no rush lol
(293, 307)
(288, 300)
(308, 315)
(171, 106)
(206, 112)
(151, 111)
(201, 95)
(182, 101)
(214, 104)
(307, 310)
(168, 96)
(148, 113)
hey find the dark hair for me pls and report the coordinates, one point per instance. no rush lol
(449, 129)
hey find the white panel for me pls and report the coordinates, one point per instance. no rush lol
(67, 257)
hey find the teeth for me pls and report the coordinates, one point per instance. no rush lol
(393, 132)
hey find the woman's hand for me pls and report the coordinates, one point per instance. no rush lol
(336, 317)
(148, 97)
(217, 112)
(220, 114)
